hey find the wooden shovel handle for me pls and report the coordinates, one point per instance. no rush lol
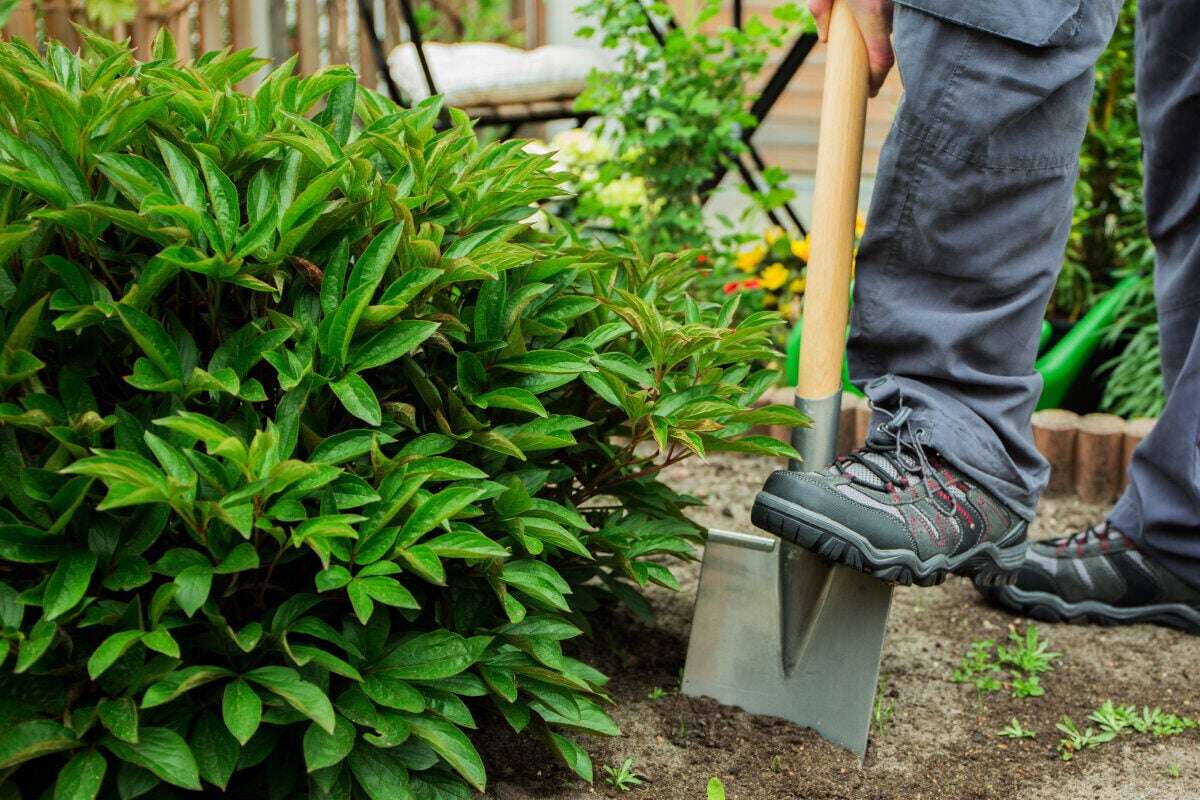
(835, 206)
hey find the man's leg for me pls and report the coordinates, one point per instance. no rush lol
(968, 222)
(1143, 564)
(1161, 509)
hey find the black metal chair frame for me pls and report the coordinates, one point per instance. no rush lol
(772, 91)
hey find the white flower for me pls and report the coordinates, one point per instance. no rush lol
(578, 148)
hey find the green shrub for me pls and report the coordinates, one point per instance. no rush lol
(311, 451)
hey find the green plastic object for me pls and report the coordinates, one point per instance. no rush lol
(1060, 366)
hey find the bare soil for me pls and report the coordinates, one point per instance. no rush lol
(941, 742)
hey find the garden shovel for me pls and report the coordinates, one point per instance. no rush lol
(776, 629)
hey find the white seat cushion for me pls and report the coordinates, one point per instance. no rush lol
(484, 73)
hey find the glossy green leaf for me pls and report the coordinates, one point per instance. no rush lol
(322, 749)
(451, 744)
(241, 708)
(32, 739)
(120, 717)
(68, 583)
(305, 697)
(391, 343)
(358, 398)
(162, 752)
(82, 777)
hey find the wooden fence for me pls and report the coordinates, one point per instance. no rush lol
(321, 32)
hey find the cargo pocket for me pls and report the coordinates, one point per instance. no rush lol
(1038, 23)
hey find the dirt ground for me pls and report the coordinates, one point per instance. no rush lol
(942, 741)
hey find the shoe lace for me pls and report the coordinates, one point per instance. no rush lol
(899, 453)
(1087, 535)
(1101, 533)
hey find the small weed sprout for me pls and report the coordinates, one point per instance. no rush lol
(1014, 730)
(978, 668)
(1075, 740)
(1172, 770)
(881, 715)
(716, 789)
(657, 693)
(1029, 655)
(777, 763)
(623, 778)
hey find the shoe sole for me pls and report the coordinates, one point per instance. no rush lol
(987, 563)
(1049, 607)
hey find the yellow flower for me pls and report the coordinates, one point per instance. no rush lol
(773, 234)
(770, 300)
(797, 286)
(775, 276)
(748, 260)
(860, 225)
(800, 249)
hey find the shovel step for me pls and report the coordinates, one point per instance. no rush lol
(986, 563)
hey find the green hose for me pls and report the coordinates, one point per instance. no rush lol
(1059, 367)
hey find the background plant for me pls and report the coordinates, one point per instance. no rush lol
(468, 21)
(314, 454)
(676, 111)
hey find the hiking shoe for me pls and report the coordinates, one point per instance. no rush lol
(896, 511)
(1097, 575)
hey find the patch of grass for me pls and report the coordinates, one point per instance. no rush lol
(716, 789)
(623, 778)
(882, 713)
(1014, 730)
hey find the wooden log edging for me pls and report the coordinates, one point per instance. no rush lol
(1089, 455)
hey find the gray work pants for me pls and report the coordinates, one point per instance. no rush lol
(968, 223)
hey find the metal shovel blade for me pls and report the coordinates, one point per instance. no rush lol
(779, 631)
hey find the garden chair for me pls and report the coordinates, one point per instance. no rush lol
(776, 629)
(497, 85)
